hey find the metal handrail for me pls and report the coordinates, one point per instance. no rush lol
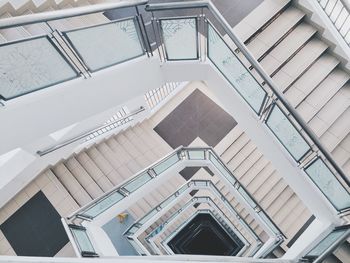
(192, 184)
(249, 56)
(85, 134)
(66, 13)
(120, 186)
(181, 153)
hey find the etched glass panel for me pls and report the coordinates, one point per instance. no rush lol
(222, 169)
(106, 45)
(180, 38)
(148, 216)
(196, 154)
(104, 204)
(137, 182)
(326, 243)
(83, 240)
(159, 168)
(30, 65)
(233, 70)
(246, 196)
(328, 184)
(287, 134)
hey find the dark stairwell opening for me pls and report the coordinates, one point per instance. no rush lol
(203, 235)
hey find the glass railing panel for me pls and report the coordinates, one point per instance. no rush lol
(103, 204)
(148, 216)
(329, 185)
(234, 71)
(180, 38)
(82, 240)
(105, 45)
(168, 201)
(268, 222)
(164, 165)
(287, 133)
(329, 240)
(196, 154)
(222, 169)
(137, 182)
(29, 65)
(132, 230)
(247, 197)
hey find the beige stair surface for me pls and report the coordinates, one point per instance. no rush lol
(304, 68)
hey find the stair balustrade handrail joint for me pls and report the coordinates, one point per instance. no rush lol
(241, 46)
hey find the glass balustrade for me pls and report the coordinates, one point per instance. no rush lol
(234, 71)
(329, 185)
(109, 199)
(180, 38)
(333, 238)
(102, 205)
(82, 240)
(164, 165)
(32, 64)
(105, 45)
(287, 133)
(138, 182)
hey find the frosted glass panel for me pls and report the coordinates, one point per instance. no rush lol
(196, 154)
(221, 169)
(83, 240)
(287, 134)
(31, 65)
(104, 204)
(180, 38)
(328, 184)
(137, 182)
(106, 45)
(232, 69)
(326, 243)
(164, 165)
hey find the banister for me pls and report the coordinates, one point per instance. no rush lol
(66, 13)
(249, 56)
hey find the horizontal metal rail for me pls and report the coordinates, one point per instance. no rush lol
(249, 56)
(85, 134)
(66, 13)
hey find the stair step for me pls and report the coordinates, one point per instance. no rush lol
(104, 165)
(260, 17)
(314, 102)
(343, 252)
(72, 185)
(331, 111)
(308, 58)
(288, 48)
(275, 32)
(92, 169)
(83, 178)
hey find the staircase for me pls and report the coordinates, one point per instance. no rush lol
(302, 65)
(305, 69)
(13, 8)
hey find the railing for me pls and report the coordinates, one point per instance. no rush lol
(66, 55)
(338, 12)
(154, 97)
(223, 199)
(101, 204)
(144, 177)
(109, 125)
(328, 244)
(134, 230)
(256, 87)
(220, 218)
(200, 200)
